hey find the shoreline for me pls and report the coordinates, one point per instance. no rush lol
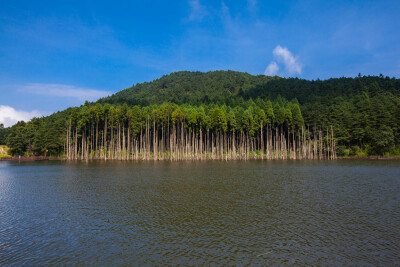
(65, 159)
(24, 158)
(371, 157)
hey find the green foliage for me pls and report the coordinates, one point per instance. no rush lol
(382, 140)
(188, 87)
(3, 134)
(18, 142)
(364, 111)
(343, 151)
(219, 120)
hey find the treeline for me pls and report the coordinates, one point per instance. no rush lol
(363, 113)
(256, 129)
(365, 124)
(3, 134)
(44, 136)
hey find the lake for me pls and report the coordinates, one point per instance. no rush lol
(344, 212)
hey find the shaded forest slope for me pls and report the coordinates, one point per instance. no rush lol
(222, 86)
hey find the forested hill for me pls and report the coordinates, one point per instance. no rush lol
(363, 113)
(221, 86)
(365, 110)
(189, 87)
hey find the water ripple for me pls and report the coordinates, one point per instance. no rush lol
(200, 213)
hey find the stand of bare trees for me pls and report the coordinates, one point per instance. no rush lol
(156, 140)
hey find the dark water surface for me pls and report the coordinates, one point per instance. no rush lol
(193, 213)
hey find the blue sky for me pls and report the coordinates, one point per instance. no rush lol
(56, 54)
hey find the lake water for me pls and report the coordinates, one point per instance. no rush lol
(200, 213)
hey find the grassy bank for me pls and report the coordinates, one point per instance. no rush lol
(4, 151)
(369, 157)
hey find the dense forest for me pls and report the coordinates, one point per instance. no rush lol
(3, 134)
(223, 115)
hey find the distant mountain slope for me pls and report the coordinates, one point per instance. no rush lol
(219, 86)
(306, 91)
(189, 87)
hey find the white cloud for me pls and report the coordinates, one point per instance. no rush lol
(198, 12)
(63, 90)
(272, 69)
(9, 116)
(282, 54)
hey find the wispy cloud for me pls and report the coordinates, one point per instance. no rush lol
(284, 56)
(62, 90)
(10, 116)
(291, 63)
(197, 11)
(69, 35)
(272, 69)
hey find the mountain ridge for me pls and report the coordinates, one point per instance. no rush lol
(217, 86)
